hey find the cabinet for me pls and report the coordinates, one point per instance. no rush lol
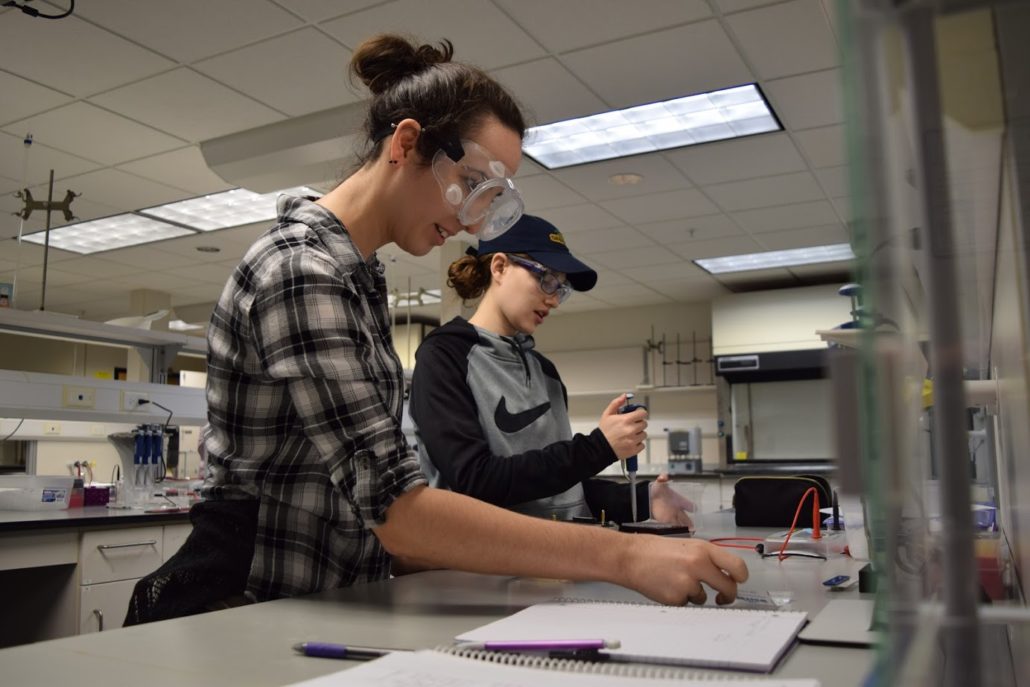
(110, 564)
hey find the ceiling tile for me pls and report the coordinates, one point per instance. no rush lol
(548, 92)
(785, 39)
(845, 208)
(602, 240)
(592, 180)
(99, 268)
(571, 24)
(715, 248)
(834, 180)
(188, 30)
(149, 256)
(802, 238)
(122, 190)
(609, 277)
(168, 282)
(830, 271)
(544, 191)
(660, 206)
(823, 147)
(786, 217)
(635, 257)
(41, 159)
(676, 270)
(187, 246)
(690, 291)
(577, 218)
(72, 55)
(268, 72)
(727, 6)
(809, 100)
(528, 168)
(484, 36)
(695, 58)
(23, 98)
(610, 292)
(650, 297)
(775, 190)
(188, 105)
(217, 273)
(184, 168)
(95, 134)
(693, 229)
(202, 293)
(754, 156)
(320, 10)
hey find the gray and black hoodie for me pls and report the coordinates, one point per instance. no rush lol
(491, 417)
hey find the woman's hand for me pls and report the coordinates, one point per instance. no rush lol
(668, 505)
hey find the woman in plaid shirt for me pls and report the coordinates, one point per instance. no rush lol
(312, 485)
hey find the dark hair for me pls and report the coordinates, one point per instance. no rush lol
(420, 81)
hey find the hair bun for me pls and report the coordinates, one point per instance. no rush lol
(383, 61)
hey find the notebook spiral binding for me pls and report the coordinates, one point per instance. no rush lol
(693, 609)
(585, 667)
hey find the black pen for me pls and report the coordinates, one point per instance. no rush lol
(328, 650)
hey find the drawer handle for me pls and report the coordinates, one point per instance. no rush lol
(100, 619)
(105, 547)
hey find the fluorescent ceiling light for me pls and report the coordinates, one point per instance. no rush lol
(108, 233)
(714, 116)
(223, 210)
(777, 258)
(183, 218)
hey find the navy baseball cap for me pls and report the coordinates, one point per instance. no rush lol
(541, 240)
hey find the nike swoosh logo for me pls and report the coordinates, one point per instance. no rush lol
(509, 423)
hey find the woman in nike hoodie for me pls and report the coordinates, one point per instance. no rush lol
(491, 412)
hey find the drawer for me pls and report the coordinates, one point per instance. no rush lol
(38, 549)
(174, 537)
(103, 606)
(109, 555)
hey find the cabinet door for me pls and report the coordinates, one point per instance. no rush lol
(174, 535)
(103, 606)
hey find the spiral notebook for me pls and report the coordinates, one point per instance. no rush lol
(455, 667)
(708, 637)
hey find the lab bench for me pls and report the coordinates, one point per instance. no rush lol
(69, 572)
(252, 644)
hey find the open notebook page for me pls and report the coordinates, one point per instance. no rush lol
(434, 669)
(699, 636)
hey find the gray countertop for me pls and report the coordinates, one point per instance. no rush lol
(90, 516)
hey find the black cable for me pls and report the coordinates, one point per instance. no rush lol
(13, 431)
(33, 12)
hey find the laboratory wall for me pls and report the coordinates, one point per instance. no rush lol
(36, 354)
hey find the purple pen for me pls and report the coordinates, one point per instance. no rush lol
(544, 645)
(330, 650)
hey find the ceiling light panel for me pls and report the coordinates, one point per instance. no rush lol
(223, 210)
(108, 233)
(714, 116)
(777, 258)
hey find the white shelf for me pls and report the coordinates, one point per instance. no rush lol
(612, 393)
(66, 327)
(39, 396)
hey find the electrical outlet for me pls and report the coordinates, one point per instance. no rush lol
(52, 428)
(131, 399)
(78, 396)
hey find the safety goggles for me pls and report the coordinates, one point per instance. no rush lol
(477, 185)
(550, 283)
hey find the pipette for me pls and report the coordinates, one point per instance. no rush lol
(631, 462)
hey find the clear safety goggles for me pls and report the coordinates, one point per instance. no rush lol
(550, 283)
(478, 186)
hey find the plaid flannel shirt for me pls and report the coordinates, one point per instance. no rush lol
(304, 398)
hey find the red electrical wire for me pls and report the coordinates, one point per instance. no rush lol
(718, 542)
(815, 519)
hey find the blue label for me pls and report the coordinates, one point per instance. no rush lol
(54, 495)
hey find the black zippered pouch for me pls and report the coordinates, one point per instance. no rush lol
(771, 501)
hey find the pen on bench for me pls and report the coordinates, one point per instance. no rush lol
(543, 645)
(329, 650)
